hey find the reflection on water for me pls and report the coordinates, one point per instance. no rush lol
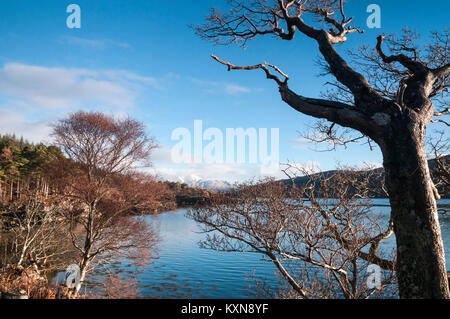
(183, 270)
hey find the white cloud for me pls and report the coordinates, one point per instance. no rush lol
(202, 171)
(235, 89)
(30, 92)
(162, 154)
(220, 87)
(132, 79)
(299, 169)
(31, 130)
(38, 87)
(301, 144)
(230, 172)
(369, 165)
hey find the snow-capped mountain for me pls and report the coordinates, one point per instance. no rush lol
(212, 185)
(207, 184)
(196, 181)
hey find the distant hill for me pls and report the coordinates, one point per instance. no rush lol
(376, 183)
(376, 191)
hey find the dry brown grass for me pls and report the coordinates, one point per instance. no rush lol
(17, 280)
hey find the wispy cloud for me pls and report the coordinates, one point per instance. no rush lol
(227, 172)
(32, 130)
(365, 165)
(230, 172)
(41, 87)
(220, 87)
(32, 96)
(99, 44)
(301, 143)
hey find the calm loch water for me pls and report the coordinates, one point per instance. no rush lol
(183, 270)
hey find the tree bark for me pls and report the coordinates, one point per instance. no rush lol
(421, 269)
(83, 271)
(397, 125)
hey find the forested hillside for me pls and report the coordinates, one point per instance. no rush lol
(376, 185)
(23, 165)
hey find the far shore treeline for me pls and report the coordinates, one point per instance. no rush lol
(25, 166)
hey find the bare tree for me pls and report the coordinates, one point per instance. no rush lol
(320, 237)
(34, 234)
(440, 148)
(395, 118)
(103, 188)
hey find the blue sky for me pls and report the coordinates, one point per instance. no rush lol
(141, 58)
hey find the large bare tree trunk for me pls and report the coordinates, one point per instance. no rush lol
(394, 114)
(421, 270)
